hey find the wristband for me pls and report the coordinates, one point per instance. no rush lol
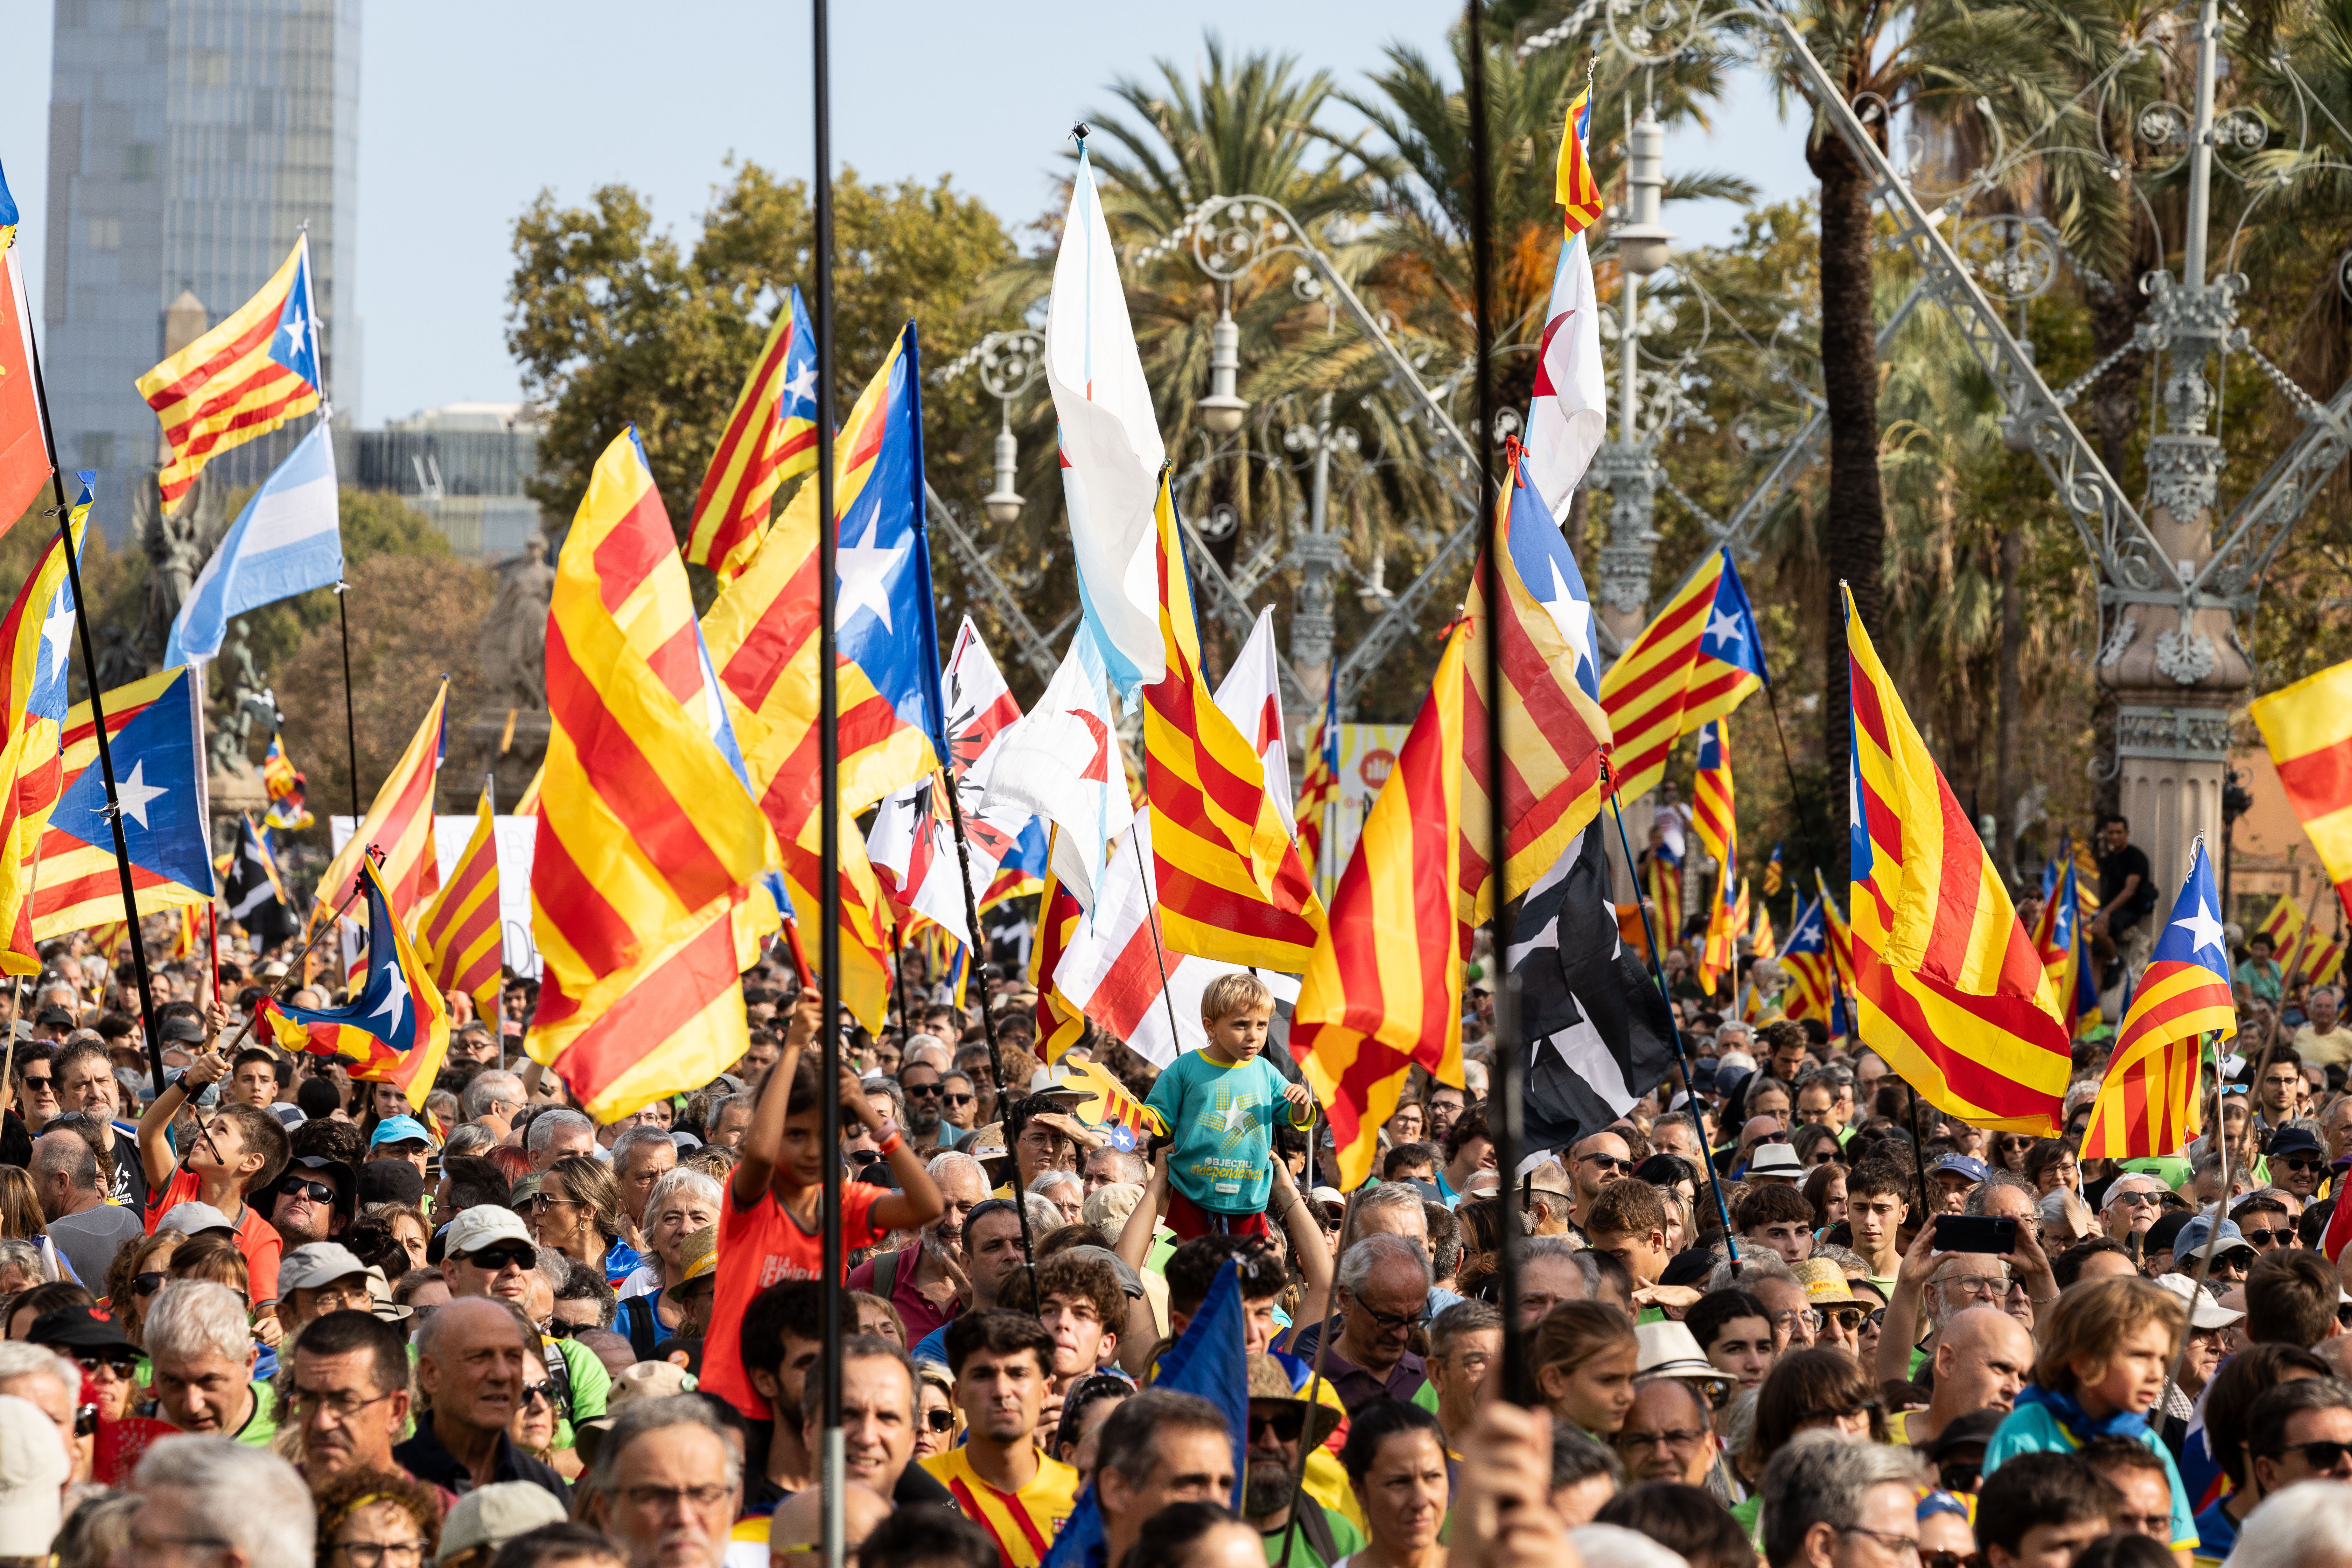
(889, 1146)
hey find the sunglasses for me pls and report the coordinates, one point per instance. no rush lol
(297, 1187)
(85, 1420)
(962, 1098)
(1606, 1162)
(1959, 1478)
(124, 1365)
(2301, 1163)
(1285, 1425)
(148, 1284)
(540, 1203)
(1773, 1138)
(920, 1090)
(492, 1260)
(540, 1393)
(1948, 1559)
(2320, 1456)
(2269, 1237)
(940, 1420)
(39, 1085)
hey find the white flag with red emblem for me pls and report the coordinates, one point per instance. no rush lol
(1567, 417)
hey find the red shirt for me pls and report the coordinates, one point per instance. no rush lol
(757, 1247)
(256, 1237)
(915, 1309)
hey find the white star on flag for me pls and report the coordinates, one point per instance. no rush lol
(866, 571)
(135, 794)
(2203, 930)
(800, 386)
(294, 330)
(395, 1001)
(1573, 614)
(57, 632)
(1725, 628)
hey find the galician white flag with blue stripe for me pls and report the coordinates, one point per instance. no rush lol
(286, 541)
(1112, 449)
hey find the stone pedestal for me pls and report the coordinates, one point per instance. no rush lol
(2176, 677)
(514, 767)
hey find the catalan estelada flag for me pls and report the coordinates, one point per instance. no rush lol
(398, 825)
(2280, 924)
(1772, 874)
(1382, 990)
(1663, 885)
(460, 933)
(289, 810)
(2062, 937)
(770, 437)
(245, 378)
(2308, 728)
(1813, 991)
(1555, 735)
(1713, 815)
(2147, 1103)
(646, 891)
(1947, 987)
(1232, 886)
(1112, 1107)
(397, 1031)
(37, 642)
(1578, 193)
(1698, 660)
(1061, 1023)
(154, 733)
(1726, 922)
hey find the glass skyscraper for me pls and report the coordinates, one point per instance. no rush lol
(190, 141)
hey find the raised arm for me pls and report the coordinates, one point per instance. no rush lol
(763, 1141)
(155, 1156)
(1306, 1237)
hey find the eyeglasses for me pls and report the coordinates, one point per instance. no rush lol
(543, 1393)
(1846, 1317)
(2135, 1199)
(339, 1404)
(540, 1203)
(2269, 1237)
(148, 1284)
(382, 1553)
(960, 1098)
(1772, 1138)
(2321, 1456)
(1850, 1413)
(2301, 1163)
(1987, 1285)
(1285, 1425)
(1959, 1478)
(920, 1090)
(124, 1365)
(296, 1187)
(1606, 1162)
(1948, 1559)
(1388, 1322)
(1676, 1438)
(490, 1259)
(940, 1420)
(1894, 1545)
(648, 1499)
(85, 1420)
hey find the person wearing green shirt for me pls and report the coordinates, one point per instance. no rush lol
(1279, 1421)
(1217, 1107)
(202, 1347)
(2260, 979)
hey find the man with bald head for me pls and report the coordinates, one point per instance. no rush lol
(1983, 1357)
(470, 1359)
(1592, 1163)
(1383, 1281)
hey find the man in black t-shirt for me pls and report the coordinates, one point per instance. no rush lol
(2126, 894)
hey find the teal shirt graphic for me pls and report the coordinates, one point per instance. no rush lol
(1222, 1120)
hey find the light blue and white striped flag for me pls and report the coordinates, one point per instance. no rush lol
(287, 541)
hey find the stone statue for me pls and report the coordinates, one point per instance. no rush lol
(177, 547)
(514, 639)
(248, 702)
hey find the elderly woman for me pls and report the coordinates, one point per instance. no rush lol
(681, 1202)
(577, 1210)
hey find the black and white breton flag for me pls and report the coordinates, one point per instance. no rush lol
(1598, 1033)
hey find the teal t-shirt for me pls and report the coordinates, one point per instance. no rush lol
(2031, 1430)
(1221, 1117)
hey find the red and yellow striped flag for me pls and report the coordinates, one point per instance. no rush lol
(1664, 881)
(1948, 986)
(645, 897)
(770, 437)
(460, 934)
(1555, 734)
(1573, 186)
(1383, 988)
(400, 824)
(1698, 660)
(2280, 924)
(1714, 813)
(1232, 886)
(1726, 922)
(2308, 728)
(1061, 1023)
(245, 378)
(2147, 1103)
(35, 644)
(1318, 787)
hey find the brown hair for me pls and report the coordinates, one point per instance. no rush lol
(209, 1255)
(1073, 1278)
(589, 1179)
(2091, 1319)
(20, 1204)
(2291, 1297)
(1807, 1384)
(347, 1494)
(1817, 1186)
(129, 1264)
(1574, 1332)
(1771, 1203)
(1632, 1208)
(260, 1132)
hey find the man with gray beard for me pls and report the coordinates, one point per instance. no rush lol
(928, 1283)
(1278, 1422)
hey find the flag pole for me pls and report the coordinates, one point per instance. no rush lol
(832, 1461)
(350, 723)
(98, 718)
(1322, 1338)
(1675, 1027)
(1158, 955)
(1503, 1083)
(987, 1019)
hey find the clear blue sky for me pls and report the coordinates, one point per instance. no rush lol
(467, 111)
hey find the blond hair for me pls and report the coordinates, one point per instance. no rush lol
(2092, 1319)
(1240, 991)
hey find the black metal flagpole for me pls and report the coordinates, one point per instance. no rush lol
(1506, 1120)
(973, 964)
(831, 1465)
(98, 723)
(350, 724)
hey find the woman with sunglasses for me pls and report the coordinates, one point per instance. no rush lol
(139, 1271)
(537, 1414)
(577, 1210)
(936, 1416)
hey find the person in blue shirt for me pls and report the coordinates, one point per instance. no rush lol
(2102, 1367)
(1217, 1107)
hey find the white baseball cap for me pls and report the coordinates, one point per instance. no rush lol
(33, 1473)
(480, 1225)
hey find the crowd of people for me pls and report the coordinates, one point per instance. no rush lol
(1782, 1310)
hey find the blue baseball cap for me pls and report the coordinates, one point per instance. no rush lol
(1967, 1165)
(399, 1130)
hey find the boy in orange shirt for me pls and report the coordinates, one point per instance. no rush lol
(238, 1150)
